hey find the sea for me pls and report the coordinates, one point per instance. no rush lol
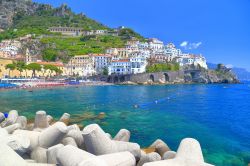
(218, 116)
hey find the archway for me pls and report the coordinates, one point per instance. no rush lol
(109, 79)
(152, 78)
(167, 79)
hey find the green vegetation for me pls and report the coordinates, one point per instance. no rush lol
(65, 47)
(10, 67)
(162, 67)
(128, 33)
(34, 67)
(105, 71)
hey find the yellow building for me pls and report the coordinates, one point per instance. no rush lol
(27, 73)
(80, 65)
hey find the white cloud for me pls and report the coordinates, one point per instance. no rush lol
(184, 44)
(190, 46)
(229, 66)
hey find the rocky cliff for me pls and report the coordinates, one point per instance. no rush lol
(8, 9)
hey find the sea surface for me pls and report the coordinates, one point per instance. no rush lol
(216, 115)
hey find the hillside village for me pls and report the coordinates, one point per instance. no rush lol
(136, 57)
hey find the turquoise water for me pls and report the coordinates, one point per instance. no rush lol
(217, 115)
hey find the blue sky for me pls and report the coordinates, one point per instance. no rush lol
(219, 29)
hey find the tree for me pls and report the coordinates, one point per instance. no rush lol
(105, 71)
(20, 66)
(34, 67)
(10, 67)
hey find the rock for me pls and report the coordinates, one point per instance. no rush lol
(39, 155)
(52, 135)
(160, 147)
(52, 153)
(101, 115)
(65, 118)
(150, 157)
(98, 143)
(41, 120)
(8, 157)
(22, 120)
(122, 135)
(169, 155)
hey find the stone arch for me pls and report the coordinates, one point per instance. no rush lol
(109, 79)
(152, 78)
(167, 79)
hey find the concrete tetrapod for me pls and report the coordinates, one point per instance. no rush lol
(69, 141)
(98, 143)
(122, 135)
(52, 153)
(71, 156)
(188, 154)
(150, 157)
(169, 155)
(160, 147)
(41, 120)
(49, 119)
(11, 128)
(52, 135)
(113, 159)
(19, 143)
(75, 132)
(32, 135)
(65, 118)
(9, 157)
(39, 155)
(22, 120)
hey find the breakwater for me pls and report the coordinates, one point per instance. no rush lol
(50, 142)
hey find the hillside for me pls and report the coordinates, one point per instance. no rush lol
(21, 17)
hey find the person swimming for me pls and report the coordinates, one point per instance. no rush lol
(136, 106)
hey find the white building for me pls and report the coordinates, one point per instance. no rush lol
(120, 66)
(189, 59)
(101, 61)
(155, 44)
(138, 62)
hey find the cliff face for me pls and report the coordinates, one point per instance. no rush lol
(211, 76)
(8, 9)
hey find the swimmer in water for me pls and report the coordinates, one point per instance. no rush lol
(156, 101)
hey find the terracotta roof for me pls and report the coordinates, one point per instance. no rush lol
(58, 64)
(121, 60)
